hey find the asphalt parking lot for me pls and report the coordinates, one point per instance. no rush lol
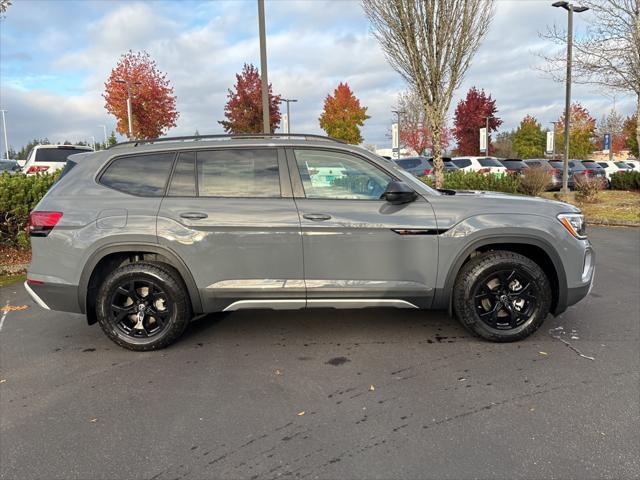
(331, 394)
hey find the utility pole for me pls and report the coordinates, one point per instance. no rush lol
(266, 124)
(129, 115)
(487, 134)
(288, 101)
(4, 129)
(93, 142)
(570, 8)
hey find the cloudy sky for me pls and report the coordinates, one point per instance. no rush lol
(56, 55)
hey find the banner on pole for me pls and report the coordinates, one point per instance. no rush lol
(607, 143)
(395, 137)
(550, 141)
(285, 123)
(483, 140)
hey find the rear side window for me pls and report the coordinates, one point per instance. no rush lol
(408, 162)
(462, 162)
(183, 182)
(141, 175)
(489, 162)
(246, 173)
(621, 165)
(52, 155)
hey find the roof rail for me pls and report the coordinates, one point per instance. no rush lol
(243, 136)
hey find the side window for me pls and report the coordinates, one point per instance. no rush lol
(334, 175)
(142, 175)
(462, 162)
(409, 162)
(238, 173)
(183, 182)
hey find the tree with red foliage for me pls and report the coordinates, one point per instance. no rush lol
(414, 132)
(153, 104)
(342, 115)
(244, 107)
(470, 116)
(629, 134)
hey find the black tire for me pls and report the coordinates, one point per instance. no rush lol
(140, 319)
(501, 296)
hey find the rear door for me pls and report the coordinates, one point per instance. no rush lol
(230, 215)
(360, 250)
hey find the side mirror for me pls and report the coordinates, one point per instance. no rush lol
(398, 193)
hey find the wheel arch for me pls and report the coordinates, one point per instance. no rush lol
(111, 256)
(536, 249)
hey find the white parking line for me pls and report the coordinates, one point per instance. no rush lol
(4, 315)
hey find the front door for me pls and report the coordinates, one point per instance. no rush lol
(360, 250)
(230, 215)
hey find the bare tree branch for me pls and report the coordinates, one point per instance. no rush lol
(430, 43)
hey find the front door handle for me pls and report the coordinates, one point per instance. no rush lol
(193, 215)
(317, 217)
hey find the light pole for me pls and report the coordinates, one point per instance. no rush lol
(486, 133)
(289, 100)
(4, 129)
(567, 106)
(104, 129)
(129, 118)
(398, 113)
(266, 124)
(93, 142)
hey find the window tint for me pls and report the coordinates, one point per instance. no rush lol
(57, 154)
(462, 162)
(183, 182)
(238, 173)
(621, 165)
(143, 175)
(335, 175)
(408, 162)
(489, 162)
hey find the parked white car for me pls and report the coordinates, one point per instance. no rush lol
(634, 164)
(50, 158)
(480, 164)
(611, 167)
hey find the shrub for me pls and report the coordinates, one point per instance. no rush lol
(534, 181)
(625, 181)
(19, 195)
(588, 188)
(478, 181)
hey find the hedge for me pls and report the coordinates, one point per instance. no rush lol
(625, 181)
(19, 194)
(478, 181)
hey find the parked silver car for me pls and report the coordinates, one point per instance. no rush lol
(144, 235)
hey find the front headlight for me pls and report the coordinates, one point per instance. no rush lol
(574, 222)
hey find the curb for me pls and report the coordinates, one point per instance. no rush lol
(616, 223)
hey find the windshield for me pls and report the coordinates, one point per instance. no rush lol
(489, 162)
(8, 166)
(57, 154)
(514, 164)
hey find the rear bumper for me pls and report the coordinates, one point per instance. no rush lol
(53, 296)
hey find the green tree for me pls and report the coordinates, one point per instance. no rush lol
(629, 132)
(343, 116)
(582, 132)
(529, 139)
(112, 140)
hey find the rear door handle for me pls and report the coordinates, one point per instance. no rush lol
(317, 217)
(194, 215)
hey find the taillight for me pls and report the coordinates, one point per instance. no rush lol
(554, 171)
(588, 172)
(484, 170)
(41, 223)
(37, 169)
(427, 171)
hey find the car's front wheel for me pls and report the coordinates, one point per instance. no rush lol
(502, 296)
(143, 306)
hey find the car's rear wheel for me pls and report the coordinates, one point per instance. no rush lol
(143, 306)
(502, 296)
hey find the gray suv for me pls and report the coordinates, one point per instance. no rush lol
(146, 235)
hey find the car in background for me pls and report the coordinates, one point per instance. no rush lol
(611, 167)
(514, 165)
(51, 158)
(578, 170)
(598, 171)
(554, 172)
(10, 166)
(634, 164)
(480, 165)
(423, 166)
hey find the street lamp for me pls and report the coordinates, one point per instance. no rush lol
(570, 8)
(398, 113)
(486, 134)
(266, 117)
(4, 129)
(289, 100)
(129, 119)
(104, 129)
